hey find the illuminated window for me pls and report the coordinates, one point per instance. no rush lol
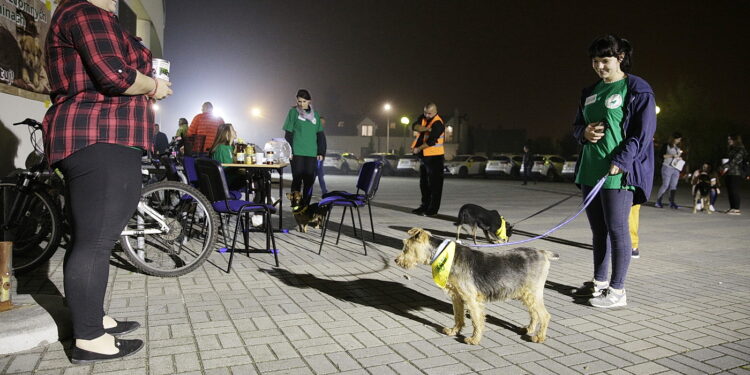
(367, 130)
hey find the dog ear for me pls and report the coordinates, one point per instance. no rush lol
(419, 234)
(289, 195)
(414, 231)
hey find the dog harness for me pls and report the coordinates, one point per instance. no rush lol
(442, 261)
(502, 232)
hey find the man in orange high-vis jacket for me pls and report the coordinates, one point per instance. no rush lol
(428, 145)
(206, 123)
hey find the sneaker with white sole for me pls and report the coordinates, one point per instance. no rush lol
(590, 289)
(711, 208)
(610, 298)
(635, 253)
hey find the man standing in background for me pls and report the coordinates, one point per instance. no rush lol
(428, 145)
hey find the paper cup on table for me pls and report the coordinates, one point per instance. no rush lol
(259, 158)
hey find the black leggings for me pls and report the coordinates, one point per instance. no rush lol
(104, 186)
(303, 171)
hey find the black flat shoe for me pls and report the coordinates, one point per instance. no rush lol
(122, 328)
(127, 347)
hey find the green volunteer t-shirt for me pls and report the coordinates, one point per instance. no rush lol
(223, 154)
(305, 133)
(604, 103)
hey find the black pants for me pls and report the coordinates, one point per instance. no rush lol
(103, 188)
(527, 175)
(431, 183)
(303, 173)
(733, 190)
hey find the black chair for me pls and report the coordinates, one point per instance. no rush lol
(368, 183)
(213, 184)
(194, 145)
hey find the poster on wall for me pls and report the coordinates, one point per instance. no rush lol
(23, 28)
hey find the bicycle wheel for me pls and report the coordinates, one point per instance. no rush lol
(33, 222)
(172, 232)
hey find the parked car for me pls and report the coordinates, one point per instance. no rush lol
(569, 168)
(549, 166)
(516, 169)
(465, 165)
(390, 161)
(408, 165)
(499, 165)
(343, 162)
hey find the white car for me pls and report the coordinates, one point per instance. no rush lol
(548, 166)
(465, 165)
(569, 168)
(408, 165)
(389, 160)
(342, 162)
(499, 165)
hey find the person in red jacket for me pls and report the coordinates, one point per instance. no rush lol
(207, 124)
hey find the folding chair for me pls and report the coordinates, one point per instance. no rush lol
(367, 185)
(213, 184)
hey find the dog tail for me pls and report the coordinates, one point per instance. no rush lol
(551, 255)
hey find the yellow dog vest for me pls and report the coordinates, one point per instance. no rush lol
(442, 262)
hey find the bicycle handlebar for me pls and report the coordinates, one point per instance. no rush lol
(30, 122)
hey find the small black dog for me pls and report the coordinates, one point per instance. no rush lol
(495, 228)
(702, 193)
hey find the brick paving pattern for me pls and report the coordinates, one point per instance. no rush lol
(343, 312)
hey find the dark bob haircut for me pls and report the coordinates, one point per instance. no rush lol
(304, 94)
(613, 46)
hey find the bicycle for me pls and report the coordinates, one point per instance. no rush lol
(29, 215)
(172, 232)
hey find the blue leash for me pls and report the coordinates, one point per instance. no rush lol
(586, 202)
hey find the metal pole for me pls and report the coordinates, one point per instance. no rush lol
(387, 132)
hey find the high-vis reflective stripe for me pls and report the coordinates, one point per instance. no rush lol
(438, 148)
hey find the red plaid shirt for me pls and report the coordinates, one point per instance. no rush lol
(91, 61)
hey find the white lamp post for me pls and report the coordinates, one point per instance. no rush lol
(387, 109)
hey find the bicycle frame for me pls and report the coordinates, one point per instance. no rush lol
(143, 208)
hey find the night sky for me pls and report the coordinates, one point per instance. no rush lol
(507, 64)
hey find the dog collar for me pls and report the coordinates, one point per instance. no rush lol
(442, 261)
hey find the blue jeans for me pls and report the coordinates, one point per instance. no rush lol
(608, 217)
(321, 177)
(669, 178)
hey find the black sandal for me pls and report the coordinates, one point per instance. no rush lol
(122, 328)
(127, 347)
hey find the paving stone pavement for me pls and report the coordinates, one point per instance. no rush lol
(343, 312)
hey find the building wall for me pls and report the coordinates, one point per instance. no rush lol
(14, 140)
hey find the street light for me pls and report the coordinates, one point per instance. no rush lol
(387, 109)
(405, 122)
(658, 109)
(256, 112)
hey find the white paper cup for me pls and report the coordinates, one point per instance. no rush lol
(259, 158)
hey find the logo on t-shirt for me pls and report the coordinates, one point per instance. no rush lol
(613, 101)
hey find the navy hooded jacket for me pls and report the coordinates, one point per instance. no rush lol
(635, 155)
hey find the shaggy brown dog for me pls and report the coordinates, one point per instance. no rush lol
(476, 277)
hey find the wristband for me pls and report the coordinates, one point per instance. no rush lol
(156, 86)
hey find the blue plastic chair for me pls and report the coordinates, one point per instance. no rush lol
(368, 183)
(212, 183)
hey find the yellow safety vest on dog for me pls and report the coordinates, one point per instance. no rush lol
(502, 232)
(442, 262)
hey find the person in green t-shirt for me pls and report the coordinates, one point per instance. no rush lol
(182, 128)
(616, 122)
(222, 151)
(304, 132)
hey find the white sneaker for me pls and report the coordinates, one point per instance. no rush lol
(257, 220)
(699, 206)
(610, 298)
(711, 208)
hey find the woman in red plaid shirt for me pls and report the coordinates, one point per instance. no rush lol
(95, 131)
